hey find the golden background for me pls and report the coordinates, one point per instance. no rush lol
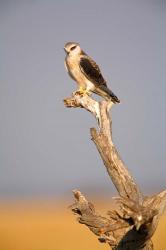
(46, 225)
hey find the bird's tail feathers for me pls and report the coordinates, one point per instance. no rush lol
(109, 94)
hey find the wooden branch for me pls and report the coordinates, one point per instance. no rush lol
(133, 224)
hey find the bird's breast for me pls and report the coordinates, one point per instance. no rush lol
(73, 67)
(76, 73)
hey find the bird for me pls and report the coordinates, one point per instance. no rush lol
(84, 70)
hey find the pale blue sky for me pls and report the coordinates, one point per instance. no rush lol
(45, 149)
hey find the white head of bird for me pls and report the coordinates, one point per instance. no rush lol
(72, 49)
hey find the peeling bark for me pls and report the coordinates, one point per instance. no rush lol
(132, 224)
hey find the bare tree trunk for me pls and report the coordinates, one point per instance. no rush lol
(132, 225)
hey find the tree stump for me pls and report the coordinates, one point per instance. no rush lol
(132, 224)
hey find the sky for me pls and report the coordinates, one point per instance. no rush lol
(45, 148)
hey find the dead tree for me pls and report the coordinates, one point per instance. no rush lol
(133, 223)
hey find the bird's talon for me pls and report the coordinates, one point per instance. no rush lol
(81, 92)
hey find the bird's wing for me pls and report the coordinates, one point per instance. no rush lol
(91, 70)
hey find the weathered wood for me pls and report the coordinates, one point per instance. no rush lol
(132, 225)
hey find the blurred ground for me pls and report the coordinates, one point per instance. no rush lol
(44, 225)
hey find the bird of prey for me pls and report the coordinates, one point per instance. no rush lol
(86, 73)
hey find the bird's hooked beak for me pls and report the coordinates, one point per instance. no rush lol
(66, 50)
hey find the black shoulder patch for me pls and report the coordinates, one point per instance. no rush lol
(92, 71)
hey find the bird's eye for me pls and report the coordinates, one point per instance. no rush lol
(72, 48)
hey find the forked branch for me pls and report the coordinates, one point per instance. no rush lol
(133, 224)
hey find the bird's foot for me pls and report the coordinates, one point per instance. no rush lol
(81, 92)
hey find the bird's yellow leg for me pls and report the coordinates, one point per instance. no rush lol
(82, 91)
